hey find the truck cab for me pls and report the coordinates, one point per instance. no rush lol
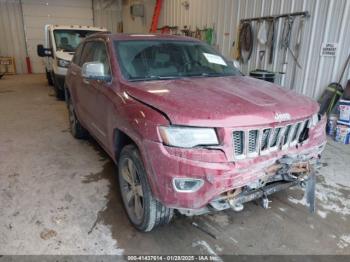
(60, 44)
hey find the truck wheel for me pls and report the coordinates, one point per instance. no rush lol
(77, 130)
(59, 93)
(49, 79)
(143, 210)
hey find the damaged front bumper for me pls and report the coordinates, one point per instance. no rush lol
(288, 175)
(225, 187)
(288, 172)
(229, 184)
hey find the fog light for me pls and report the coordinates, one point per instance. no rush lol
(187, 184)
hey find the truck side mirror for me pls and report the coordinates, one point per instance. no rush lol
(42, 52)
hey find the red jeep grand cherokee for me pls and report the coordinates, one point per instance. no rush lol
(187, 130)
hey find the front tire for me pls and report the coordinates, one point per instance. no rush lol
(59, 93)
(143, 210)
(76, 129)
(49, 78)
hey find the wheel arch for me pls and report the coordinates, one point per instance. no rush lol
(122, 139)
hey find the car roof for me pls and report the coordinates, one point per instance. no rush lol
(140, 37)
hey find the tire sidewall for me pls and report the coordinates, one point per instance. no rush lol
(71, 112)
(131, 152)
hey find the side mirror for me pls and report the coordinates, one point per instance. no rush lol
(42, 52)
(95, 71)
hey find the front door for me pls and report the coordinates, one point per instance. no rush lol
(92, 90)
(85, 92)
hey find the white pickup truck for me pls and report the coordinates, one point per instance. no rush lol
(60, 44)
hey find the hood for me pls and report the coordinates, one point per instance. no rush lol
(65, 55)
(221, 101)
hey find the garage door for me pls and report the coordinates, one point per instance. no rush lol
(37, 14)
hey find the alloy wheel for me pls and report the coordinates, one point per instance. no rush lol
(132, 191)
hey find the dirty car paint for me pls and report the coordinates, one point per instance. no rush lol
(224, 103)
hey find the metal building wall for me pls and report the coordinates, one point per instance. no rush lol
(107, 13)
(12, 34)
(138, 24)
(38, 13)
(329, 22)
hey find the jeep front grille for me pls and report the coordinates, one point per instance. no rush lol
(261, 141)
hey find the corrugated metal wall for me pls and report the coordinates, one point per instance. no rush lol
(107, 13)
(12, 41)
(38, 13)
(329, 22)
(138, 24)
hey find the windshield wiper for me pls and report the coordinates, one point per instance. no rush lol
(163, 77)
(153, 77)
(210, 74)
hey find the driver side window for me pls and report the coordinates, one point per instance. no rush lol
(95, 51)
(77, 54)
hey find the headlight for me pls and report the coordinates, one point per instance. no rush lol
(315, 119)
(63, 63)
(188, 136)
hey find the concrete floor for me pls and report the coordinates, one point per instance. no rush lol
(59, 195)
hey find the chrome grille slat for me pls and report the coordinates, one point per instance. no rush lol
(265, 139)
(238, 142)
(286, 134)
(275, 137)
(257, 141)
(252, 141)
(304, 125)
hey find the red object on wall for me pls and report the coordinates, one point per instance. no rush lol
(29, 65)
(156, 15)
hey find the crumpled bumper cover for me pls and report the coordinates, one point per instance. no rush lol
(163, 166)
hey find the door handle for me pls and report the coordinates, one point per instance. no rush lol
(86, 81)
(74, 73)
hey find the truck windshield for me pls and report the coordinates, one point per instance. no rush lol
(142, 60)
(67, 40)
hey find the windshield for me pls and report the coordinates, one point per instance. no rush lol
(68, 40)
(163, 59)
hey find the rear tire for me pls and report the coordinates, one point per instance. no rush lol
(134, 187)
(76, 129)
